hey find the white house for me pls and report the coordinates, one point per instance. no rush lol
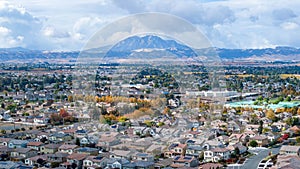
(216, 154)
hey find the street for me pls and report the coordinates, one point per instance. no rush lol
(253, 161)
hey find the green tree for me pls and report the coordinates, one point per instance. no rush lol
(260, 98)
(288, 99)
(77, 141)
(236, 151)
(253, 143)
(260, 128)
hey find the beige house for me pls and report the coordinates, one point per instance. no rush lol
(262, 141)
(50, 148)
(290, 150)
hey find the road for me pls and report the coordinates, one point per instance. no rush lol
(253, 161)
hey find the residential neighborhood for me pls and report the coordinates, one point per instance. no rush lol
(45, 123)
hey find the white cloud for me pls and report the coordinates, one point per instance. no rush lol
(54, 33)
(4, 31)
(69, 24)
(86, 26)
(19, 27)
(289, 25)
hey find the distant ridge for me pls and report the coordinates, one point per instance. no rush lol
(153, 46)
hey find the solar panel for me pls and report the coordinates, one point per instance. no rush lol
(187, 158)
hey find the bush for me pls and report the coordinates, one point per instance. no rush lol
(253, 143)
(3, 131)
(54, 164)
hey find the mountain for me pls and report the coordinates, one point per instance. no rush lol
(23, 54)
(147, 46)
(247, 53)
(151, 46)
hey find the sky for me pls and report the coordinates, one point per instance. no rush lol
(68, 25)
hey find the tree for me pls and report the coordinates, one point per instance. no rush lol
(253, 143)
(166, 111)
(63, 113)
(236, 151)
(201, 156)
(289, 121)
(70, 98)
(260, 128)
(271, 115)
(77, 142)
(260, 98)
(74, 165)
(40, 161)
(298, 139)
(148, 123)
(43, 139)
(288, 99)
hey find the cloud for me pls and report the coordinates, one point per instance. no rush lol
(4, 31)
(132, 6)
(19, 28)
(54, 33)
(86, 26)
(190, 10)
(289, 25)
(69, 25)
(283, 14)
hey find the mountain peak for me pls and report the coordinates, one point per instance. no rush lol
(129, 47)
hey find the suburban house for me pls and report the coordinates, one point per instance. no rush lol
(261, 140)
(290, 150)
(216, 154)
(19, 154)
(59, 137)
(35, 145)
(17, 144)
(122, 154)
(116, 163)
(66, 148)
(194, 150)
(175, 149)
(57, 157)
(87, 150)
(242, 149)
(50, 148)
(4, 141)
(185, 161)
(36, 159)
(75, 159)
(93, 162)
(143, 157)
(139, 164)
